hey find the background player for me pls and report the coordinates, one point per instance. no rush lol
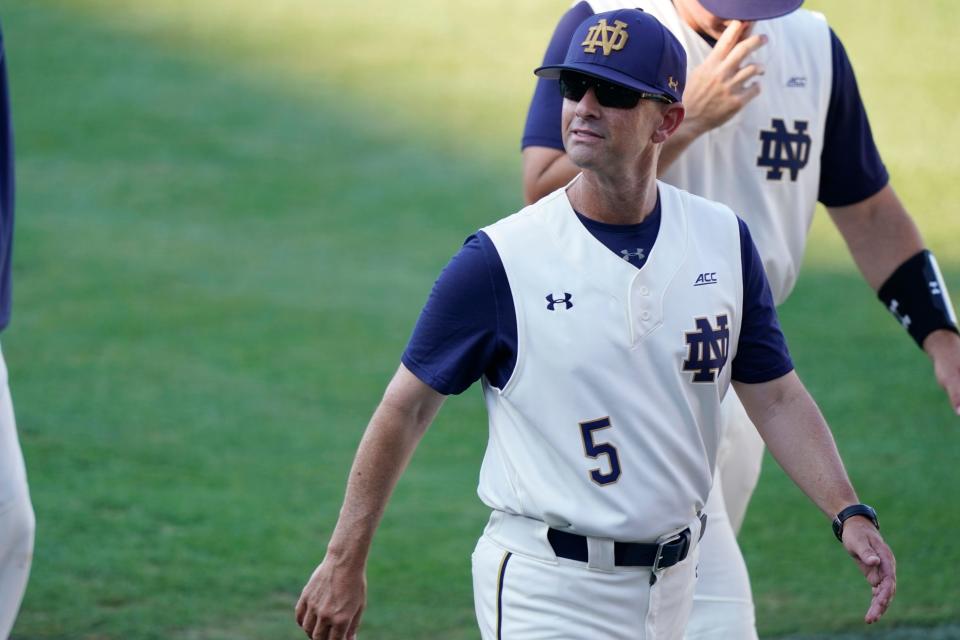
(774, 124)
(16, 512)
(564, 332)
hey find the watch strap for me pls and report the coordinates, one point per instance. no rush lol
(853, 510)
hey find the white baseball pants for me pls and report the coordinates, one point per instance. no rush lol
(723, 603)
(16, 513)
(523, 591)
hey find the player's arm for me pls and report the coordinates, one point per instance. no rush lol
(793, 428)
(887, 247)
(333, 600)
(881, 235)
(798, 437)
(455, 341)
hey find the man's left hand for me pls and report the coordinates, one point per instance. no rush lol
(876, 562)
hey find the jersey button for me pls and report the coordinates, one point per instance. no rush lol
(644, 291)
(645, 315)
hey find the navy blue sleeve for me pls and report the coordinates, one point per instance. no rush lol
(467, 328)
(6, 192)
(851, 169)
(543, 118)
(762, 354)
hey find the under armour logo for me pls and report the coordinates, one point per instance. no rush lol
(797, 82)
(784, 150)
(707, 349)
(673, 84)
(709, 277)
(638, 254)
(935, 288)
(610, 38)
(895, 310)
(565, 300)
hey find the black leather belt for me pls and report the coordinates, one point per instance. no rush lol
(628, 554)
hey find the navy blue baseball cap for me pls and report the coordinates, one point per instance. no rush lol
(750, 9)
(626, 47)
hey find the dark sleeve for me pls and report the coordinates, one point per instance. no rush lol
(762, 354)
(468, 326)
(851, 169)
(6, 193)
(543, 118)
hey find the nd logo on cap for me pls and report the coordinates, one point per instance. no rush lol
(653, 61)
(602, 35)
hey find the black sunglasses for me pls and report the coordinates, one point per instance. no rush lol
(573, 86)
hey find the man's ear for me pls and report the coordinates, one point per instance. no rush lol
(672, 117)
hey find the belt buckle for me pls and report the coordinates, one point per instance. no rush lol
(683, 535)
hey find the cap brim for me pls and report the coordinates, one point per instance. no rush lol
(750, 9)
(552, 72)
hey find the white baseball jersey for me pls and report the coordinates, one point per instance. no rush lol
(610, 422)
(779, 134)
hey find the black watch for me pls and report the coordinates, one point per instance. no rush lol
(853, 510)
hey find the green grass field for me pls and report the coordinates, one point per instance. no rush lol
(229, 215)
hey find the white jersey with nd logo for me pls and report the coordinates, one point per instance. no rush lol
(775, 141)
(610, 422)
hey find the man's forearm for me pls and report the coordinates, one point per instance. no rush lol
(884, 240)
(879, 233)
(798, 437)
(394, 431)
(332, 602)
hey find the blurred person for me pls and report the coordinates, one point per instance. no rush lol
(774, 124)
(16, 511)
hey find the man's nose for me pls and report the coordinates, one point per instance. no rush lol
(588, 105)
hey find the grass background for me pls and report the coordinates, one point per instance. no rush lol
(229, 215)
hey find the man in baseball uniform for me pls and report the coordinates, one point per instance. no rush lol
(16, 512)
(603, 379)
(774, 123)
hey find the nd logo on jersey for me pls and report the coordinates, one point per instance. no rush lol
(784, 149)
(707, 349)
(609, 38)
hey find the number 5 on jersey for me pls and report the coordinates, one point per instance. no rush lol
(593, 449)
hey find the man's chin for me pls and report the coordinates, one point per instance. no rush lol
(580, 157)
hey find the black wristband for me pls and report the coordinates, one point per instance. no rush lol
(917, 297)
(853, 510)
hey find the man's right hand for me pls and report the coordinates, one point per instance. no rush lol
(718, 89)
(332, 602)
